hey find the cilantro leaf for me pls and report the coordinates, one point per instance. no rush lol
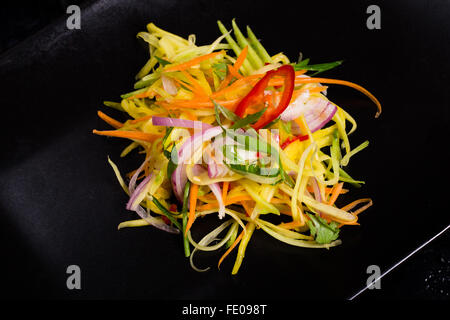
(251, 118)
(220, 69)
(322, 231)
(162, 61)
(230, 115)
(321, 67)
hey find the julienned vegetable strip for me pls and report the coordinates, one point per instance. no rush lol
(193, 62)
(192, 205)
(225, 129)
(184, 212)
(114, 123)
(134, 135)
(344, 83)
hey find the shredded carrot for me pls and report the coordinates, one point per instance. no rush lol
(240, 59)
(140, 119)
(317, 89)
(114, 123)
(279, 81)
(193, 62)
(192, 204)
(198, 90)
(198, 103)
(234, 72)
(225, 81)
(232, 200)
(226, 185)
(291, 225)
(146, 94)
(327, 191)
(355, 203)
(235, 243)
(276, 200)
(336, 191)
(247, 207)
(344, 83)
(245, 81)
(134, 135)
(184, 84)
(191, 116)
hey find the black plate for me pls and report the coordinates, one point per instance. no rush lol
(60, 202)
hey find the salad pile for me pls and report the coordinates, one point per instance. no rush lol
(228, 129)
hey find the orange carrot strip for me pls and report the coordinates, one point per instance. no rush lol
(198, 90)
(329, 218)
(238, 239)
(225, 81)
(279, 81)
(336, 191)
(193, 62)
(197, 103)
(344, 83)
(327, 190)
(240, 59)
(134, 135)
(238, 84)
(291, 225)
(232, 200)
(234, 72)
(276, 200)
(353, 204)
(191, 116)
(226, 185)
(182, 83)
(140, 119)
(247, 207)
(114, 123)
(148, 93)
(363, 208)
(192, 204)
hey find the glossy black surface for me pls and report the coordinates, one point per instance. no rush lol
(60, 203)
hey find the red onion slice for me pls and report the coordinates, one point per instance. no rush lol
(316, 189)
(132, 183)
(215, 188)
(131, 205)
(317, 112)
(179, 176)
(168, 85)
(156, 222)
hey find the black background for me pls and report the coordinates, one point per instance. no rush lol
(60, 204)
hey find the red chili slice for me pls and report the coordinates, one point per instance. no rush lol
(289, 141)
(256, 95)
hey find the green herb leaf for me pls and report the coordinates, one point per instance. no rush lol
(171, 166)
(184, 212)
(322, 231)
(166, 212)
(321, 67)
(220, 69)
(251, 118)
(287, 126)
(271, 123)
(162, 61)
(302, 63)
(286, 178)
(230, 115)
